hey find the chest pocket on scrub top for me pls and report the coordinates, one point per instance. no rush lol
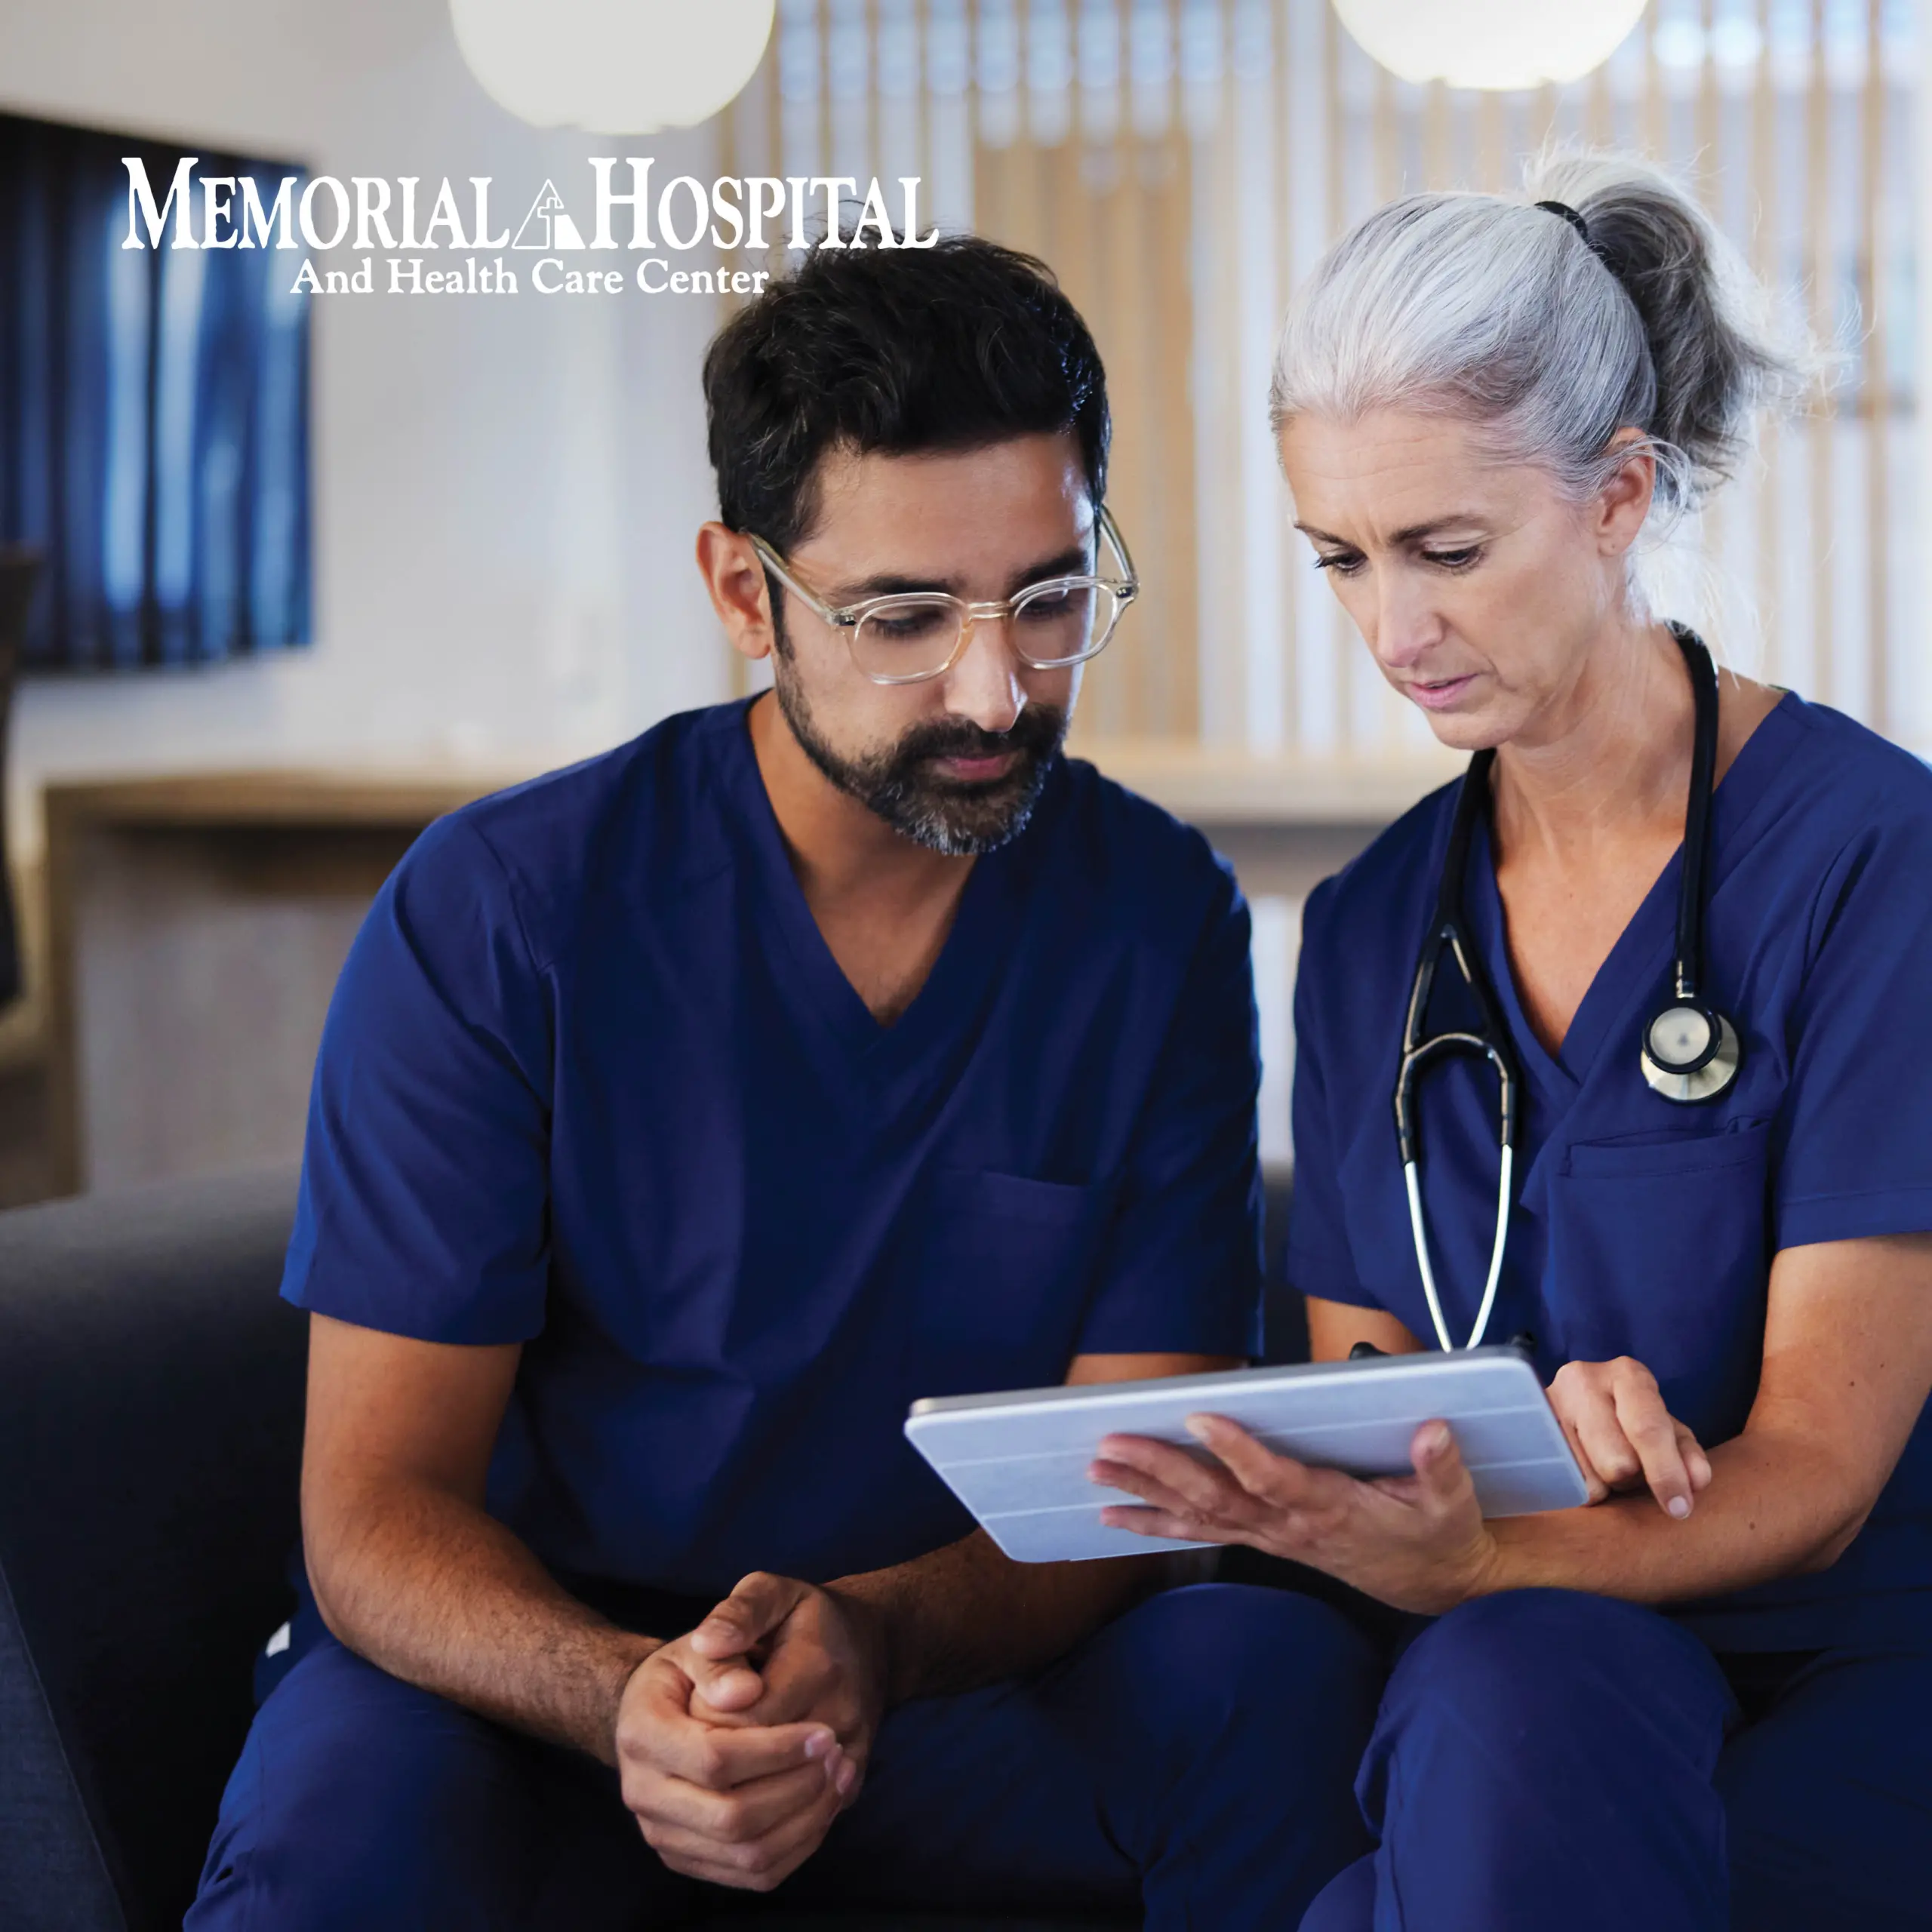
(1660, 1249)
(1000, 1282)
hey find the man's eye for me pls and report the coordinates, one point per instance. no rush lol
(908, 625)
(1053, 607)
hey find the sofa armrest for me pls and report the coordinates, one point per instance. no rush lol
(150, 1437)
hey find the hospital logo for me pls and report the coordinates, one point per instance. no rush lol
(548, 227)
(403, 234)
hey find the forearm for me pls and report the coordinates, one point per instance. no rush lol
(967, 1615)
(1777, 1506)
(435, 1592)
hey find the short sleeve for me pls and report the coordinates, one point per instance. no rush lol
(1852, 1143)
(1319, 1261)
(1180, 1270)
(422, 1210)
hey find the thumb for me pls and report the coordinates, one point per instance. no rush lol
(1442, 1475)
(753, 1610)
(725, 1680)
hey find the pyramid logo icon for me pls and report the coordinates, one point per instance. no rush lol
(548, 227)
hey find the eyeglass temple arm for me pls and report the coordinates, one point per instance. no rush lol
(1131, 587)
(772, 561)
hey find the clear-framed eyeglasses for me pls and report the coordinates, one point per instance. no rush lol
(909, 636)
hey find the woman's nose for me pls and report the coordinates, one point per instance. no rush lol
(1405, 624)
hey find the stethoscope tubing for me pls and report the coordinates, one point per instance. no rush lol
(1413, 1183)
(1446, 935)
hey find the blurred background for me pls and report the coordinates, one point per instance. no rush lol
(311, 569)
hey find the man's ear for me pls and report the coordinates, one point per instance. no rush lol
(740, 593)
(1625, 500)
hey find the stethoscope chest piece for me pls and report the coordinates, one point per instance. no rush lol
(1690, 1052)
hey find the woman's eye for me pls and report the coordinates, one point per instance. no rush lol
(1344, 562)
(1454, 560)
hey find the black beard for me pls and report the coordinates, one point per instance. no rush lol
(960, 820)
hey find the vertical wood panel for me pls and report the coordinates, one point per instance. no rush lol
(1436, 170)
(1822, 427)
(1763, 258)
(1143, 215)
(1283, 242)
(1874, 400)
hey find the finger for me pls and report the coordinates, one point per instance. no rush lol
(757, 1607)
(803, 1683)
(1132, 1482)
(1444, 1485)
(723, 1689)
(1695, 1460)
(739, 1815)
(1648, 1427)
(1203, 1488)
(757, 1865)
(1605, 1446)
(1165, 1524)
(703, 1754)
(749, 1615)
(1597, 1490)
(1262, 1474)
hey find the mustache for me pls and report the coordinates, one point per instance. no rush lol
(1036, 733)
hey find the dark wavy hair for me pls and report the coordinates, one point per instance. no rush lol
(893, 350)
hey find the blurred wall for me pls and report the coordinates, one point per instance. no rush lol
(506, 488)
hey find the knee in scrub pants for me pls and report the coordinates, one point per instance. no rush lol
(1253, 1708)
(1544, 1757)
(1829, 1796)
(362, 1801)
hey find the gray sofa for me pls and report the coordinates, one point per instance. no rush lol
(150, 1425)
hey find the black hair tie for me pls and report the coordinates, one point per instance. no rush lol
(1581, 227)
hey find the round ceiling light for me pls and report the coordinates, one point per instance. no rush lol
(1495, 43)
(613, 66)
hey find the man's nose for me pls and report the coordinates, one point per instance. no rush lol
(984, 684)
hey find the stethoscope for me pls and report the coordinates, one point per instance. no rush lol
(1690, 1052)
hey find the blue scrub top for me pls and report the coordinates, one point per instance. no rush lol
(593, 1082)
(1641, 1227)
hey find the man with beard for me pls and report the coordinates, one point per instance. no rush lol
(680, 1119)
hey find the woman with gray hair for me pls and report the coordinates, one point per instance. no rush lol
(1648, 989)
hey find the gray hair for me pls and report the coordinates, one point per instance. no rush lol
(1501, 313)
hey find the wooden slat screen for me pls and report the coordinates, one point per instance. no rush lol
(1183, 163)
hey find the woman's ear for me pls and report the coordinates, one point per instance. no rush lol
(1625, 500)
(740, 593)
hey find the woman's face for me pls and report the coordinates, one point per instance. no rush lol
(1484, 593)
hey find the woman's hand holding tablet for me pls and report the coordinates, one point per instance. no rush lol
(1025, 1462)
(1418, 1542)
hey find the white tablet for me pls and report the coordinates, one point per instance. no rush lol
(1019, 1461)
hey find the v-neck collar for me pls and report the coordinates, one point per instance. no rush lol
(977, 941)
(1639, 962)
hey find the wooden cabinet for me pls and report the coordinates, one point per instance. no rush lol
(195, 925)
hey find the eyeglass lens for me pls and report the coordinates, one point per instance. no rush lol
(1057, 624)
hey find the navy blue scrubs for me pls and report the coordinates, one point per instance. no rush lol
(592, 1083)
(1557, 1760)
